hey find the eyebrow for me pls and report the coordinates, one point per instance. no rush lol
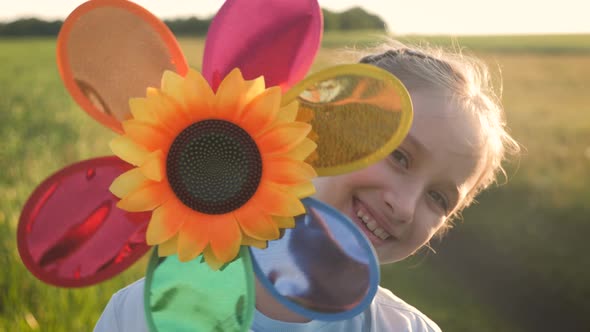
(416, 143)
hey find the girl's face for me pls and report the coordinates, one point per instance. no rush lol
(401, 201)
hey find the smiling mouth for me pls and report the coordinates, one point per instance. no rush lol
(368, 223)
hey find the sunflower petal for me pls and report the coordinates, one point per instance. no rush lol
(140, 111)
(229, 100)
(284, 222)
(146, 198)
(169, 247)
(172, 85)
(129, 151)
(253, 88)
(128, 182)
(261, 111)
(273, 200)
(199, 96)
(165, 223)
(169, 113)
(213, 262)
(287, 171)
(283, 137)
(256, 224)
(302, 190)
(301, 151)
(288, 113)
(154, 166)
(145, 134)
(248, 241)
(193, 238)
(225, 237)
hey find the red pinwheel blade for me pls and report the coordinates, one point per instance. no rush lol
(280, 43)
(70, 232)
(111, 50)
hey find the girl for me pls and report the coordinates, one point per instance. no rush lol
(454, 150)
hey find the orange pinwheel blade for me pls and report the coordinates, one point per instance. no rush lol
(111, 50)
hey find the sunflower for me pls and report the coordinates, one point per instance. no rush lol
(218, 169)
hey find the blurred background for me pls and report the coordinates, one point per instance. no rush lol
(515, 262)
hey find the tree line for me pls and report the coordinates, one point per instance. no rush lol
(352, 19)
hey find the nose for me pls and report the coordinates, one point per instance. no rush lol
(401, 202)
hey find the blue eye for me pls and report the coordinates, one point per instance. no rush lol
(440, 199)
(400, 158)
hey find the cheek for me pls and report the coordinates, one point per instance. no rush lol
(338, 190)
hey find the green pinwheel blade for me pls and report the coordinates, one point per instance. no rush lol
(190, 296)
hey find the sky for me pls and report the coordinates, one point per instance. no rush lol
(454, 17)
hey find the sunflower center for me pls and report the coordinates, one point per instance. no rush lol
(214, 166)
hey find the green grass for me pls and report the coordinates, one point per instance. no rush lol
(517, 256)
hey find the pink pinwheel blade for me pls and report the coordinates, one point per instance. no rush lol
(71, 234)
(277, 39)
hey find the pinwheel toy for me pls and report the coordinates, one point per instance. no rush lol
(214, 169)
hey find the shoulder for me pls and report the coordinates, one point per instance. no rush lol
(390, 313)
(130, 296)
(125, 310)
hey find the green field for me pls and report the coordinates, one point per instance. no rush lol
(516, 262)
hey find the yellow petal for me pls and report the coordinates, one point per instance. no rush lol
(169, 113)
(165, 222)
(288, 113)
(146, 198)
(193, 238)
(169, 247)
(128, 182)
(146, 135)
(211, 260)
(154, 167)
(198, 96)
(284, 222)
(271, 199)
(283, 137)
(287, 171)
(124, 148)
(230, 99)
(256, 224)
(172, 85)
(261, 111)
(225, 237)
(248, 241)
(253, 88)
(301, 190)
(140, 111)
(301, 151)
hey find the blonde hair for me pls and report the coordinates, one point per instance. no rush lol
(468, 82)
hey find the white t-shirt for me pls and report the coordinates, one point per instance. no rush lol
(387, 312)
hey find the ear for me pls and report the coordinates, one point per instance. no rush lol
(359, 114)
(111, 50)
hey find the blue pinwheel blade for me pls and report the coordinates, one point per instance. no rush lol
(324, 268)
